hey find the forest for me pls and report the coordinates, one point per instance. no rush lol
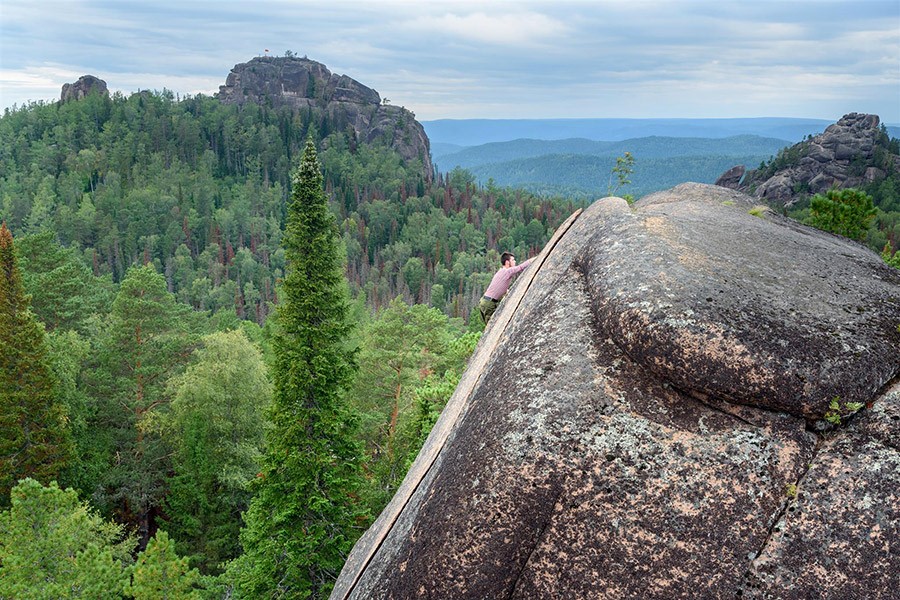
(167, 263)
(146, 252)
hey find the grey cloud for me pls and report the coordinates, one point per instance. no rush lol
(596, 57)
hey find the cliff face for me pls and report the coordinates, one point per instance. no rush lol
(306, 84)
(661, 408)
(850, 153)
(82, 88)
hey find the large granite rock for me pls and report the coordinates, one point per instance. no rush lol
(650, 415)
(851, 153)
(85, 85)
(306, 84)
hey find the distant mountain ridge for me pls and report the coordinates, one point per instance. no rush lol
(646, 147)
(474, 132)
(580, 168)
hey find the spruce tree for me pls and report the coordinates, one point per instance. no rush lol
(34, 438)
(304, 516)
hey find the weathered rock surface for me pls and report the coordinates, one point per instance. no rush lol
(732, 177)
(306, 84)
(82, 88)
(851, 153)
(649, 422)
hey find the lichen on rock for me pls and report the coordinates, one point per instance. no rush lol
(636, 428)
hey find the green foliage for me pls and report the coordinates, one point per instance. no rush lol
(147, 339)
(622, 171)
(890, 256)
(199, 188)
(159, 574)
(54, 546)
(304, 517)
(838, 410)
(402, 349)
(758, 210)
(64, 293)
(34, 436)
(216, 426)
(846, 212)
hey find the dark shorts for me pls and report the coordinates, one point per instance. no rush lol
(487, 306)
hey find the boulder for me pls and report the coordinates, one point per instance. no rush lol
(666, 405)
(85, 85)
(732, 177)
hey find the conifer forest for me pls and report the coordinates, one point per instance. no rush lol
(227, 330)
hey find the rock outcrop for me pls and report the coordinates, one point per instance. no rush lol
(663, 407)
(851, 153)
(85, 85)
(306, 84)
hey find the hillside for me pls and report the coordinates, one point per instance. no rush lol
(197, 187)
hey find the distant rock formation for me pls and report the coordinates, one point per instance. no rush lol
(82, 88)
(850, 153)
(306, 84)
(663, 409)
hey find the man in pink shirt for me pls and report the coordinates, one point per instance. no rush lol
(500, 284)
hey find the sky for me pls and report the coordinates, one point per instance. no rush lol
(485, 59)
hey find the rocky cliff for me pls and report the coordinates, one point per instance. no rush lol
(851, 153)
(668, 404)
(306, 84)
(82, 88)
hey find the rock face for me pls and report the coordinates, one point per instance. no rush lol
(82, 88)
(306, 84)
(850, 153)
(648, 416)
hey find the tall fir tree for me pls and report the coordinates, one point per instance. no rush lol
(305, 515)
(34, 437)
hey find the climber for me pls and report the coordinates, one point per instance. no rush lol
(499, 284)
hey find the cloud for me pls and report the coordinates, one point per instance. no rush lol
(518, 29)
(485, 58)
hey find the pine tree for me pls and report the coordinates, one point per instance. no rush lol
(304, 517)
(160, 574)
(846, 212)
(148, 339)
(54, 546)
(34, 438)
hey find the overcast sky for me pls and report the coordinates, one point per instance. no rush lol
(490, 59)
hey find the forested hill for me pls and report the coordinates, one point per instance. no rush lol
(580, 168)
(197, 186)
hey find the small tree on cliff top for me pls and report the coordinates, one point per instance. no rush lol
(304, 517)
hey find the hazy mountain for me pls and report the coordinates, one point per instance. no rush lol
(473, 132)
(648, 147)
(584, 176)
